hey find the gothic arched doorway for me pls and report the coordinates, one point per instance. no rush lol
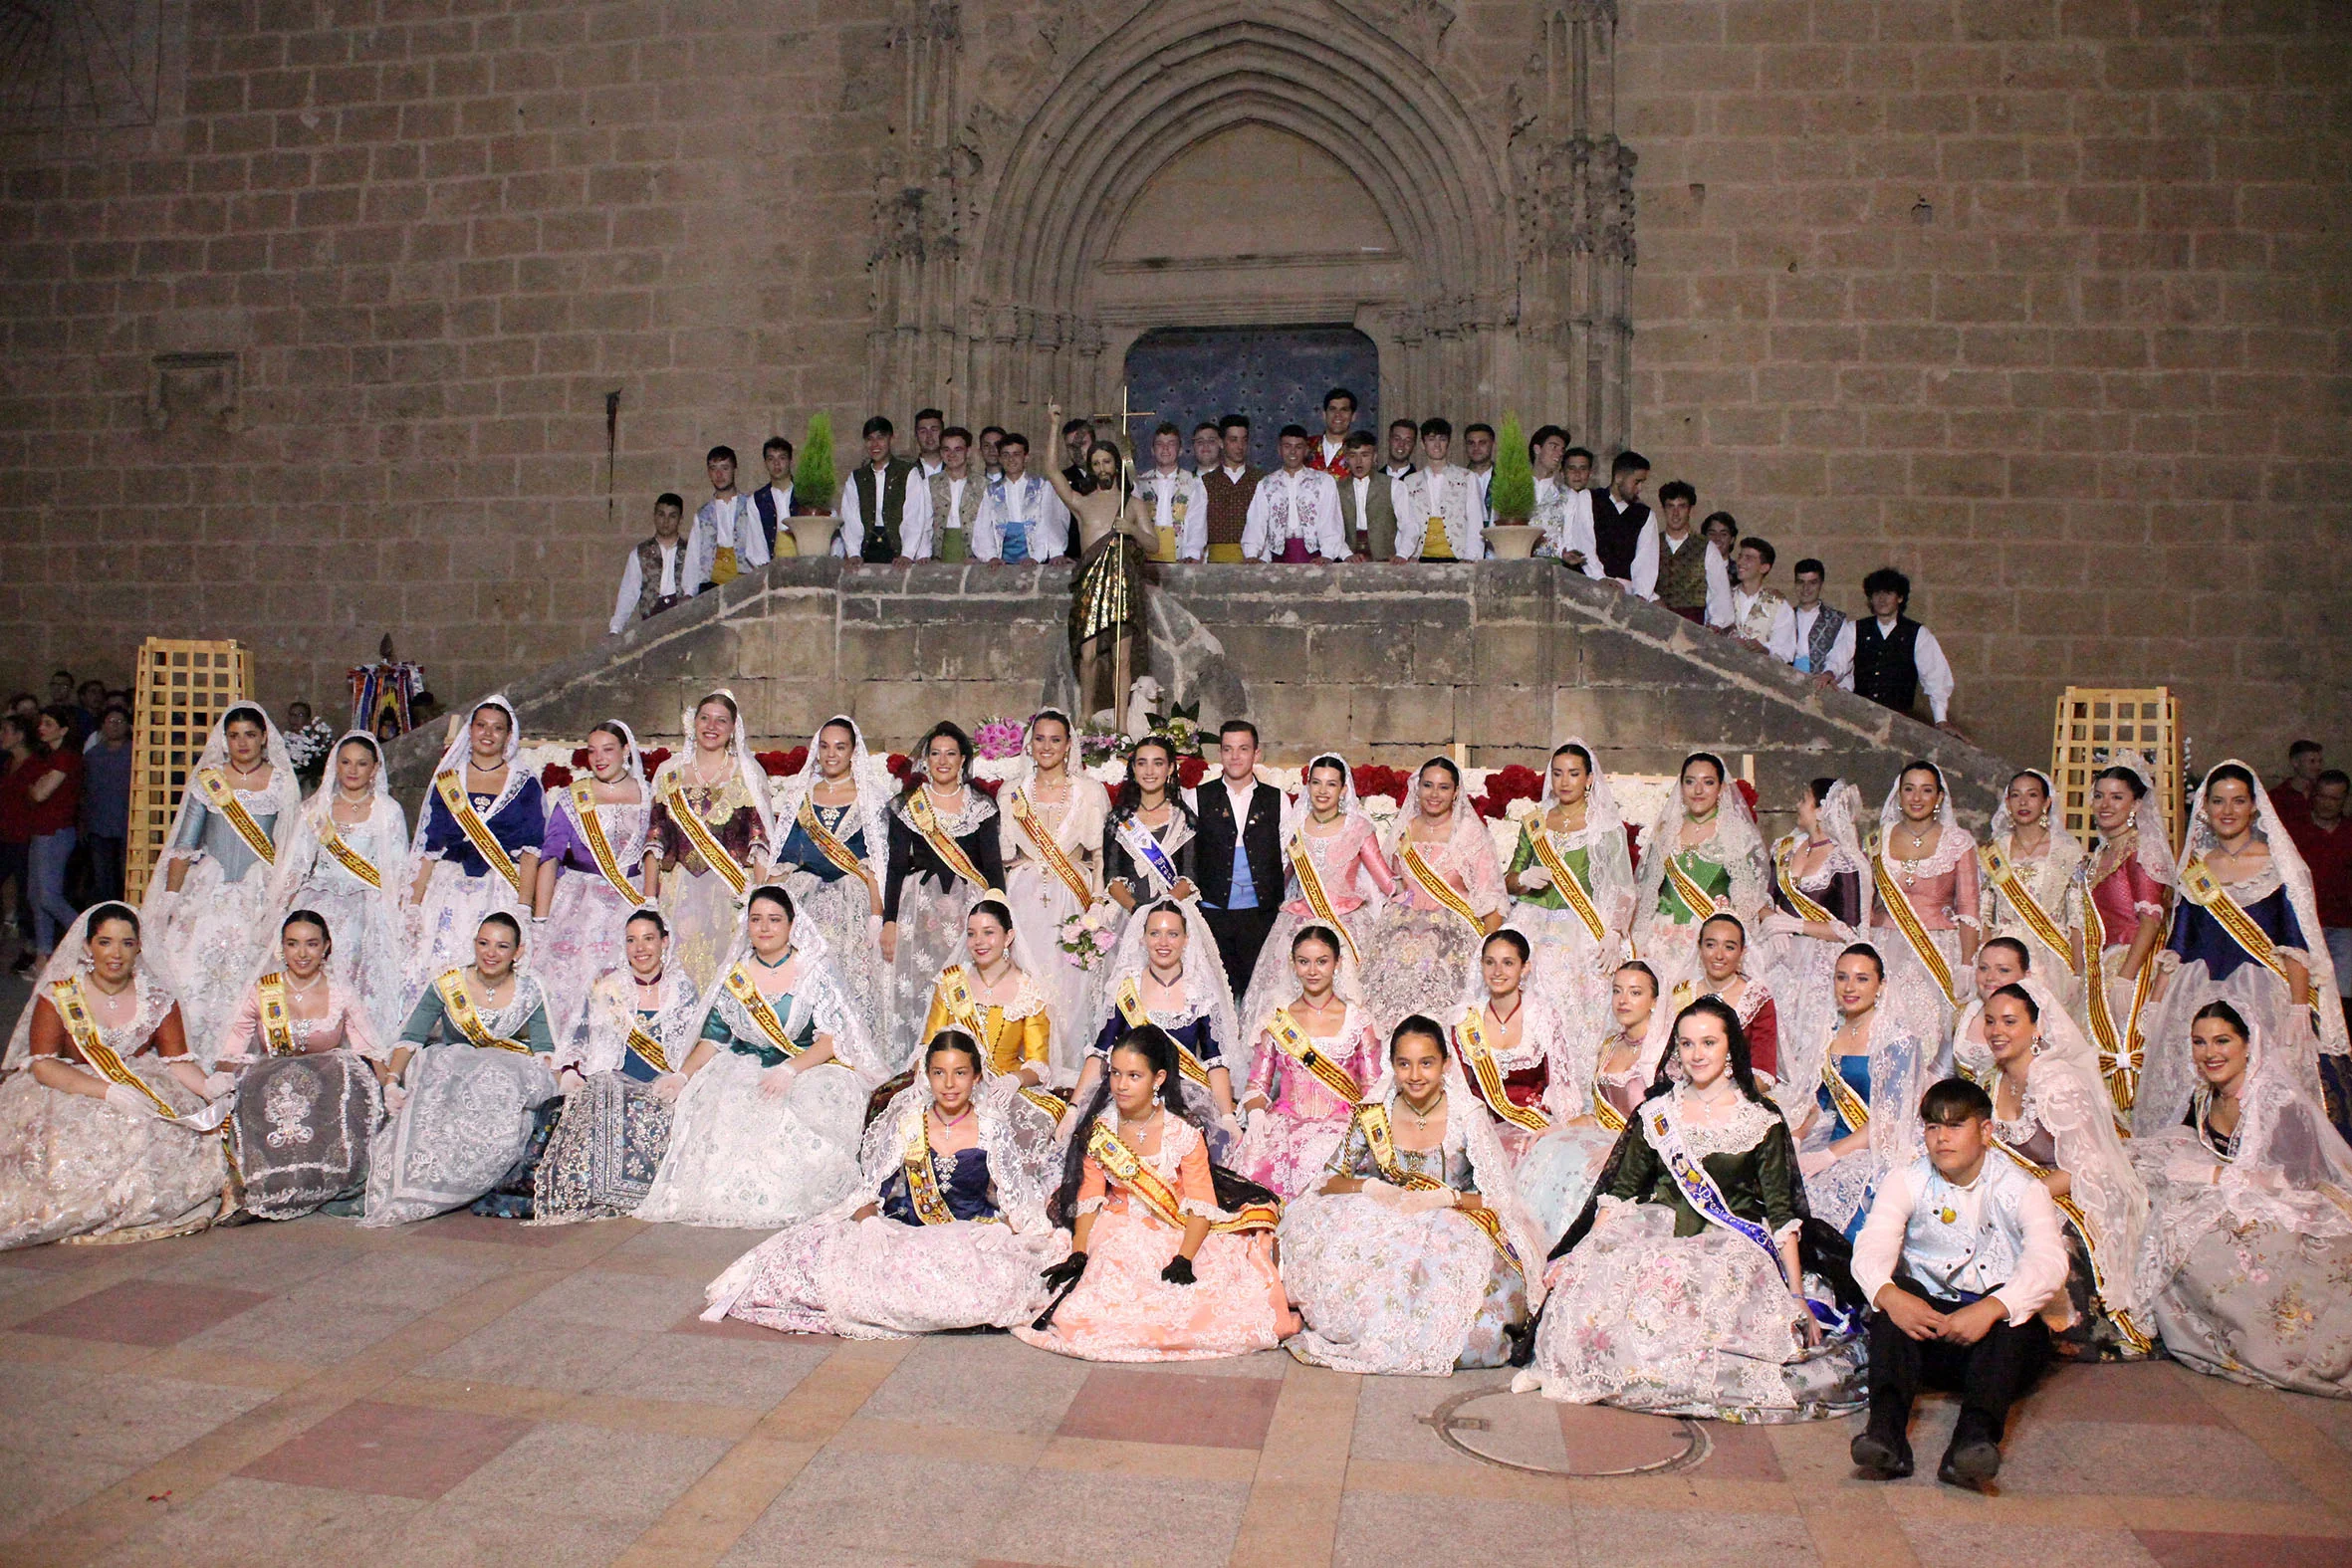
(1276, 375)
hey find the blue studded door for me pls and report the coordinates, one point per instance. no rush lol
(1276, 375)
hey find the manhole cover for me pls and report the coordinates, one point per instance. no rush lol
(1526, 1432)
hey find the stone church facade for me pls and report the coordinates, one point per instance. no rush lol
(316, 310)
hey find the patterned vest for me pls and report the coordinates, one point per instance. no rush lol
(951, 536)
(1228, 503)
(1822, 639)
(1886, 670)
(880, 545)
(1681, 574)
(1757, 622)
(1936, 1251)
(649, 574)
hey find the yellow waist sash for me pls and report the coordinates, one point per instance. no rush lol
(477, 832)
(926, 822)
(2081, 1225)
(1693, 897)
(1603, 1112)
(1131, 1009)
(642, 1040)
(1437, 888)
(224, 799)
(828, 844)
(1898, 905)
(955, 992)
(1296, 1044)
(1850, 1107)
(1310, 888)
(346, 856)
(1126, 1166)
(1806, 908)
(73, 1008)
(1564, 877)
(2200, 887)
(591, 828)
(739, 986)
(1226, 554)
(1382, 1140)
(1486, 1074)
(922, 1183)
(2122, 1052)
(2003, 873)
(1041, 838)
(459, 1004)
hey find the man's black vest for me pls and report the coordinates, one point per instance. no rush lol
(1616, 534)
(1886, 669)
(880, 545)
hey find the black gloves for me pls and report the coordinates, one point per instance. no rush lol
(1178, 1271)
(1065, 1272)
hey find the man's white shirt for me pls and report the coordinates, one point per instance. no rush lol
(914, 521)
(675, 555)
(1162, 489)
(1780, 640)
(1029, 500)
(1927, 654)
(1449, 492)
(1301, 504)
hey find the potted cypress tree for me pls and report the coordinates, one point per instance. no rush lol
(1511, 493)
(814, 522)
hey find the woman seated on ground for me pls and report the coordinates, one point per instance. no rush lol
(1166, 973)
(2251, 1240)
(307, 1062)
(469, 1076)
(1314, 1058)
(108, 1134)
(1162, 1268)
(1556, 1174)
(2054, 1115)
(619, 1076)
(947, 1229)
(1859, 1116)
(1412, 1254)
(1722, 972)
(767, 1127)
(1692, 1284)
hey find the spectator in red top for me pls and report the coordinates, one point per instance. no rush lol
(2291, 796)
(16, 828)
(53, 784)
(2325, 839)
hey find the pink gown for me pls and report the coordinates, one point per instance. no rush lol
(1123, 1310)
(1341, 861)
(1942, 890)
(1288, 1144)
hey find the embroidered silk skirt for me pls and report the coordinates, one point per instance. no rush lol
(300, 1128)
(878, 1278)
(600, 1158)
(1385, 1292)
(72, 1165)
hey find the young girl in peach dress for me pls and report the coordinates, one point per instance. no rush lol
(1161, 1266)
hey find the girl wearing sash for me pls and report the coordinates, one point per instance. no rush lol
(767, 1128)
(1578, 941)
(712, 830)
(207, 903)
(1682, 1286)
(992, 994)
(1821, 906)
(593, 873)
(834, 816)
(1510, 1047)
(1411, 1255)
(1149, 833)
(2053, 1115)
(2251, 1239)
(2247, 933)
(1160, 1267)
(1924, 920)
(2002, 961)
(309, 1063)
(104, 1131)
(476, 851)
(618, 1073)
(342, 860)
(944, 1229)
(1857, 1117)
(2129, 877)
(1700, 855)
(1166, 973)
(1313, 1058)
(944, 854)
(1449, 900)
(2032, 881)
(1722, 972)
(1604, 1084)
(1050, 821)
(1332, 851)
(469, 1079)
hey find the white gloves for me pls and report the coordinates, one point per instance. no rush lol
(1384, 1193)
(394, 1096)
(776, 1082)
(130, 1100)
(217, 1084)
(1421, 1200)
(669, 1086)
(1813, 1161)
(1533, 878)
(569, 1081)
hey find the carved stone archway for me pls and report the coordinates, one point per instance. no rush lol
(1513, 222)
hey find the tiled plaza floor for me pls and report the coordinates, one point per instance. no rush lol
(472, 1392)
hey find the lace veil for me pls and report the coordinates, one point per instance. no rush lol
(1736, 845)
(453, 759)
(1488, 1164)
(869, 771)
(72, 957)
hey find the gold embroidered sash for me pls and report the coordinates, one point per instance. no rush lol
(925, 818)
(73, 1008)
(2122, 1052)
(1892, 898)
(1381, 1137)
(922, 1182)
(458, 1002)
(1310, 888)
(828, 844)
(706, 843)
(955, 991)
(591, 828)
(2010, 882)
(2075, 1218)
(1610, 1118)
(1806, 909)
(346, 856)
(1126, 1166)
(224, 799)
(277, 1025)
(1850, 1107)
(1296, 1044)
(2200, 887)
(1486, 1074)
(1437, 888)
(1042, 840)
(1131, 1009)
(642, 1040)
(477, 832)
(1564, 877)
(1694, 898)
(739, 986)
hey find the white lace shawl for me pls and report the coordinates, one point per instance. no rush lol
(1078, 833)
(1735, 844)
(871, 776)
(454, 759)
(599, 1041)
(2070, 1101)
(1609, 862)
(1952, 841)
(817, 993)
(1024, 1161)
(156, 997)
(281, 799)
(1900, 1069)
(1543, 1037)
(1206, 993)
(299, 852)
(1470, 846)
(2150, 844)
(1471, 1127)
(746, 766)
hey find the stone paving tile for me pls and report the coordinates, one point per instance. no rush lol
(70, 1434)
(2187, 1549)
(1612, 1536)
(1380, 1530)
(1062, 1516)
(394, 1451)
(1125, 1406)
(896, 1507)
(1960, 1543)
(991, 1381)
(591, 1491)
(144, 1312)
(248, 1523)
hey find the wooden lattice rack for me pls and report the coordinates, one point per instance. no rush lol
(2095, 725)
(181, 688)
